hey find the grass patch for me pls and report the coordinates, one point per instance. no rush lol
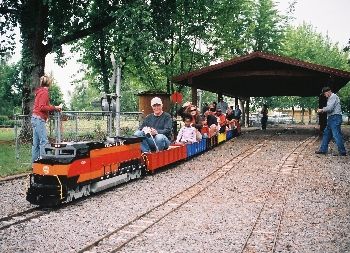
(7, 134)
(87, 130)
(9, 165)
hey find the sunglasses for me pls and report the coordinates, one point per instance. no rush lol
(193, 110)
(212, 109)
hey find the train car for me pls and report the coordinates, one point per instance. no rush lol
(69, 171)
(196, 148)
(157, 160)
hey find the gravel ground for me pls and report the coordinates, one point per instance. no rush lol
(218, 220)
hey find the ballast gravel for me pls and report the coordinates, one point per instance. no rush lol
(315, 218)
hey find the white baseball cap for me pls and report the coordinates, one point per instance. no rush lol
(156, 101)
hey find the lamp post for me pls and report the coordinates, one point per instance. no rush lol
(116, 78)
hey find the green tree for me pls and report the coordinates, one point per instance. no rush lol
(10, 88)
(345, 100)
(44, 27)
(305, 43)
(152, 41)
(128, 40)
(84, 97)
(56, 95)
(179, 28)
(269, 27)
(231, 33)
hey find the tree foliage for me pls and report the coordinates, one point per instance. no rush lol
(269, 27)
(154, 40)
(231, 33)
(345, 99)
(83, 98)
(44, 27)
(56, 95)
(10, 88)
(305, 43)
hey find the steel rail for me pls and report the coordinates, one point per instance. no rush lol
(295, 153)
(278, 230)
(156, 214)
(12, 178)
(16, 219)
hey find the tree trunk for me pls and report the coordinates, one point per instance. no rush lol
(103, 59)
(168, 85)
(302, 115)
(309, 109)
(33, 22)
(293, 114)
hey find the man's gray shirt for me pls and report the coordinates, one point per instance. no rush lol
(162, 123)
(333, 105)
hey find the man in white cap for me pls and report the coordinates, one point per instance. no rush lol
(156, 128)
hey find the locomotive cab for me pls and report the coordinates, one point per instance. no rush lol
(71, 170)
(49, 181)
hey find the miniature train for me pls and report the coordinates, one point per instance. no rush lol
(73, 170)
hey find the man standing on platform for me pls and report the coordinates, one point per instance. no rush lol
(222, 105)
(334, 120)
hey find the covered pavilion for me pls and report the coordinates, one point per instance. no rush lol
(261, 74)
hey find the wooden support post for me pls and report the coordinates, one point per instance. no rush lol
(322, 117)
(194, 95)
(247, 112)
(219, 96)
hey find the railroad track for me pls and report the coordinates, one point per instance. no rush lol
(125, 233)
(12, 178)
(264, 233)
(22, 217)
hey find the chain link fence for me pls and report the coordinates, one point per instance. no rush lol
(72, 126)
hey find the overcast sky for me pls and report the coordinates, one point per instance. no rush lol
(327, 16)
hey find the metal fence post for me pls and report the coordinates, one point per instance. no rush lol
(110, 121)
(76, 126)
(16, 137)
(58, 126)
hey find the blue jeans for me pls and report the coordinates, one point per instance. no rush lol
(39, 137)
(148, 144)
(333, 129)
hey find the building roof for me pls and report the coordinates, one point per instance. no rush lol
(262, 74)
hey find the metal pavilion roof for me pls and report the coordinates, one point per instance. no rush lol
(262, 74)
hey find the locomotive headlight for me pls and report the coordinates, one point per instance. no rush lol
(58, 145)
(46, 169)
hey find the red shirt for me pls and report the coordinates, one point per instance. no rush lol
(42, 105)
(222, 119)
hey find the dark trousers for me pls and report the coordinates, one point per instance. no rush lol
(263, 122)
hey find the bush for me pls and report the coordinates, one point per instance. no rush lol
(3, 118)
(6, 122)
